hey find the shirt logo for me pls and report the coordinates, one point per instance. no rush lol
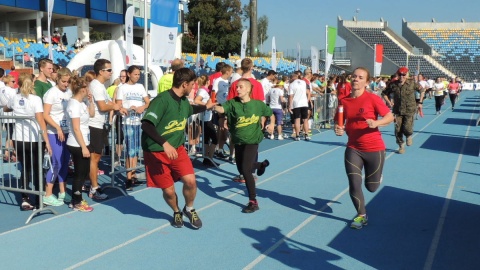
(175, 126)
(246, 121)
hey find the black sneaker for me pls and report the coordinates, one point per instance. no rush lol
(193, 217)
(177, 221)
(221, 154)
(129, 185)
(26, 205)
(251, 207)
(263, 166)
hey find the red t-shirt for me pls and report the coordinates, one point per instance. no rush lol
(212, 78)
(343, 90)
(257, 91)
(356, 111)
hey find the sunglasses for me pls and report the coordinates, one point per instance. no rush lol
(402, 74)
(107, 69)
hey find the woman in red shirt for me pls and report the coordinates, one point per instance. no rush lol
(365, 146)
(454, 88)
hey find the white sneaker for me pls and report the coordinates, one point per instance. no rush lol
(280, 137)
(272, 137)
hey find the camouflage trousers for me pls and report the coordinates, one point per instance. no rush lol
(403, 126)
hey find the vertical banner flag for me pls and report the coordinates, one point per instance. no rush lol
(377, 68)
(297, 62)
(274, 55)
(163, 31)
(49, 15)
(197, 62)
(129, 35)
(243, 45)
(315, 63)
(331, 39)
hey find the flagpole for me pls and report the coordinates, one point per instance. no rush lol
(374, 58)
(145, 46)
(326, 50)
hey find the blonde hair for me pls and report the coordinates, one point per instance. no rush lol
(202, 80)
(63, 72)
(8, 78)
(90, 76)
(25, 85)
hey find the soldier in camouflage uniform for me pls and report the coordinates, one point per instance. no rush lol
(404, 106)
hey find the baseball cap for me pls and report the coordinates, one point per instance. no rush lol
(402, 70)
(238, 63)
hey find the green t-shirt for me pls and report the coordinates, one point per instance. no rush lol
(165, 83)
(41, 88)
(169, 116)
(244, 120)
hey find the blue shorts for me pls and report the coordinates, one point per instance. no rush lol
(132, 140)
(278, 116)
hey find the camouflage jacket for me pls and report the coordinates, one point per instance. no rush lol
(403, 96)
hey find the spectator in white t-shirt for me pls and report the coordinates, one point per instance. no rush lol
(267, 82)
(221, 87)
(79, 109)
(55, 103)
(26, 136)
(275, 97)
(133, 97)
(99, 125)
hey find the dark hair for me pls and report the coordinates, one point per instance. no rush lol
(366, 70)
(183, 75)
(176, 64)
(2, 72)
(218, 66)
(130, 70)
(246, 64)
(77, 83)
(99, 65)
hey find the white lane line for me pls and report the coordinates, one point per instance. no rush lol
(313, 216)
(81, 263)
(432, 251)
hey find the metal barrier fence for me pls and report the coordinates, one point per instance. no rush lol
(194, 138)
(125, 147)
(324, 111)
(28, 179)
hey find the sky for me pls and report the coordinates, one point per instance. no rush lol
(304, 21)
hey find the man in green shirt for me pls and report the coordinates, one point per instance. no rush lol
(166, 160)
(166, 80)
(41, 84)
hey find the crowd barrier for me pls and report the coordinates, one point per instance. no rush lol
(324, 111)
(27, 159)
(125, 135)
(194, 138)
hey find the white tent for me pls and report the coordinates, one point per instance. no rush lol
(114, 50)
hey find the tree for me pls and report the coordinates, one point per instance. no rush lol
(220, 26)
(262, 26)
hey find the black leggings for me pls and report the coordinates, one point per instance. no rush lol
(27, 155)
(355, 161)
(81, 167)
(245, 157)
(438, 102)
(209, 133)
(453, 98)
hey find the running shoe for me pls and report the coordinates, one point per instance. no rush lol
(64, 197)
(81, 207)
(52, 201)
(251, 207)
(401, 149)
(307, 138)
(97, 194)
(359, 222)
(26, 205)
(177, 221)
(239, 178)
(297, 138)
(193, 217)
(262, 168)
(280, 137)
(220, 154)
(271, 136)
(232, 160)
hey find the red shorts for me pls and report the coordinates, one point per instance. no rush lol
(162, 172)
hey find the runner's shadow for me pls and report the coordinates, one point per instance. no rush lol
(291, 253)
(301, 205)
(206, 187)
(130, 206)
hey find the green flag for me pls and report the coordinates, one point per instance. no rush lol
(331, 39)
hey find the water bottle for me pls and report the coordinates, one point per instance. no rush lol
(46, 161)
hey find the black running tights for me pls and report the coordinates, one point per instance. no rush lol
(355, 161)
(245, 156)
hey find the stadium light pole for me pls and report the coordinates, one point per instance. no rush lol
(145, 45)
